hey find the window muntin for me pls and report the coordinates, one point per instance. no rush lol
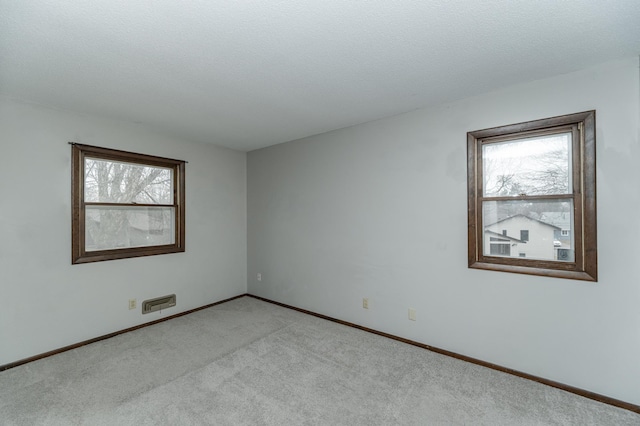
(125, 205)
(538, 177)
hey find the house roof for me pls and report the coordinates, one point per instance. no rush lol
(506, 237)
(559, 219)
(522, 216)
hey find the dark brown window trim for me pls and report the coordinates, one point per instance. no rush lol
(584, 195)
(78, 252)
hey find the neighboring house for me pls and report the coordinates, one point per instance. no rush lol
(124, 229)
(522, 236)
(563, 221)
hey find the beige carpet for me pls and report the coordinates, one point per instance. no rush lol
(251, 362)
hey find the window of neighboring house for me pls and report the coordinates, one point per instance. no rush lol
(563, 254)
(541, 175)
(125, 204)
(564, 232)
(500, 249)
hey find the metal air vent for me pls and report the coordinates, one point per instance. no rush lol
(158, 303)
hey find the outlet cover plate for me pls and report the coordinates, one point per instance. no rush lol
(412, 314)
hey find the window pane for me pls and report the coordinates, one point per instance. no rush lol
(109, 228)
(532, 166)
(119, 182)
(533, 229)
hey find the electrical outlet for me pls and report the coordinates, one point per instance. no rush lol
(259, 276)
(365, 303)
(132, 304)
(412, 314)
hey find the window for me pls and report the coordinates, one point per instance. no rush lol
(500, 249)
(563, 254)
(125, 205)
(537, 177)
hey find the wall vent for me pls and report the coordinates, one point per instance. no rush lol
(158, 303)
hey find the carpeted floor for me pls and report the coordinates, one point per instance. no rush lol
(251, 362)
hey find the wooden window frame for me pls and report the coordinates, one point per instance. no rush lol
(78, 154)
(584, 267)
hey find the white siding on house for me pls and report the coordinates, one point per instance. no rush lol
(540, 244)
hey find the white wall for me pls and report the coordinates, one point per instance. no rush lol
(379, 210)
(47, 302)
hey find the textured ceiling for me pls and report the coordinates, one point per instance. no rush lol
(253, 73)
